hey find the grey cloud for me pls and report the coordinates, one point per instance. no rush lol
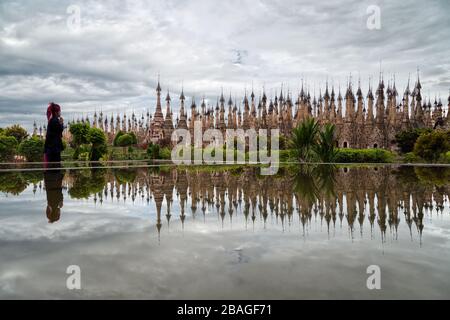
(114, 59)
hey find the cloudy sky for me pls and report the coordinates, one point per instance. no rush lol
(111, 60)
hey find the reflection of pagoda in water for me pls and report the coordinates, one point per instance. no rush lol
(379, 196)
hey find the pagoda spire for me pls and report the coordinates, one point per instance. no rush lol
(168, 111)
(158, 99)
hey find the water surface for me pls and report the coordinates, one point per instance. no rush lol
(166, 233)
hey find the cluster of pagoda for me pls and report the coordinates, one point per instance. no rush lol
(361, 121)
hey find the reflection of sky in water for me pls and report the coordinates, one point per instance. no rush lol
(117, 247)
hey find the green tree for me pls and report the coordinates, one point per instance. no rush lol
(165, 153)
(17, 132)
(32, 149)
(431, 145)
(117, 137)
(304, 137)
(120, 134)
(153, 151)
(283, 143)
(8, 146)
(325, 147)
(87, 183)
(125, 141)
(133, 136)
(406, 139)
(97, 139)
(79, 132)
(445, 157)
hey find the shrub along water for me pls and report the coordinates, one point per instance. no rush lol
(325, 146)
(154, 151)
(364, 156)
(79, 132)
(17, 132)
(406, 139)
(97, 139)
(310, 142)
(433, 145)
(8, 146)
(32, 149)
(126, 141)
(445, 157)
(424, 145)
(304, 138)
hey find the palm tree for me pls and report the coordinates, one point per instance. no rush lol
(325, 148)
(304, 137)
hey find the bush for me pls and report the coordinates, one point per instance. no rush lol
(32, 149)
(364, 156)
(125, 140)
(8, 145)
(98, 140)
(84, 156)
(283, 143)
(410, 157)
(133, 137)
(445, 157)
(17, 132)
(79, 132)
(406, 139)
(304, 138)
(83, 153)
(153, 151)
(165, 154)
(116, 138)
(96, 136)
(285, 155)
(325, 147)
(431, 145)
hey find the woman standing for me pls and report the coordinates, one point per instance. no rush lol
(53, 139)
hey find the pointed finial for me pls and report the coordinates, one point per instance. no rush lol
(222, 99)
(158, 88)
(182, 92)
(380, 71)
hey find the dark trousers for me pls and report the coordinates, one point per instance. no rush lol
(54, 156)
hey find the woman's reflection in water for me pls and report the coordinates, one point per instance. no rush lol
(53, 186)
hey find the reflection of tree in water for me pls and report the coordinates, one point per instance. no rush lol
(313, 183)
(125, 175)
(16, 182)
(87, 182)
(414, 176)
(437, 176)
